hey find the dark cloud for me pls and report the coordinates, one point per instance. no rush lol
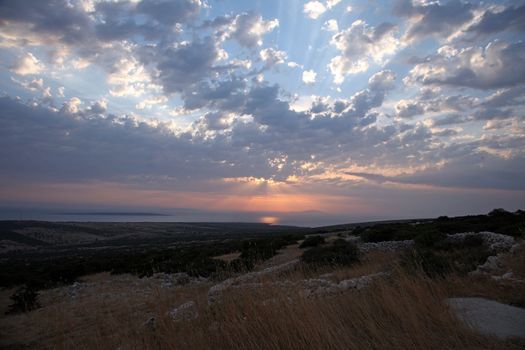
(247, 28)
(514, 96)
(227, 94)
(169, 12)
(449, 120)
(481, 170)
(187, 64)
(434, 18)
(510, 18)
(86, 143)
(57, 18)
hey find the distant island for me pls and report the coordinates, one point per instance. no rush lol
(109, 213)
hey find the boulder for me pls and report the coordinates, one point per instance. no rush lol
(490, 317)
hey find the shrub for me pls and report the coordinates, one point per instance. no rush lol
(340, 252)
(312, 241)
(424, 259)
(378, 234)
(429, 238)
(471, 241)
(24, 299)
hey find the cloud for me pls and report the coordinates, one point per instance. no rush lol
(497, 20)
(408, 109)
(314, 9)
(513, 96)
(36, 85)
(250, 28)
(54, 20)
(309, 76)
(434, 18)
(186, 64)
(449, 120)
(272, 57)
(497, 65)
(331, 25)
(359, 45)
(478, 171)
(27, 64)
(259, 136)
(170, 12)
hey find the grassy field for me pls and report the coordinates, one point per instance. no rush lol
(405, 308)
(405, 311)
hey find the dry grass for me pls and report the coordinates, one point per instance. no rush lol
(403, 312)
(228, 257)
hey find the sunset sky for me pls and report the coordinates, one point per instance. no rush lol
(280, 111)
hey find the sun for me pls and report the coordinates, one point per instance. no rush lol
(269, 219)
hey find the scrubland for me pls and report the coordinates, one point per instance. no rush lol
(264, 307)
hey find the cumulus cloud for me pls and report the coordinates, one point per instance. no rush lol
(314, 9)
(359, 45)
(272, 57)
(169, 12)
(27, 64)
(250, 28)
(186, 64)
(408, 109)
(331, 25)
(36, 85)
(499, 64)
(243, 139)
(309, 76)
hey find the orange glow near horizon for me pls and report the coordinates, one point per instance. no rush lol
(269, 219)
(245, 197)
(256, 196)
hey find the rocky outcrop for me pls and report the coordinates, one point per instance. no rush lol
(320, 287)
(308, 288)
(386, 246)
(215, 291)
(171, 280)
(496, 242)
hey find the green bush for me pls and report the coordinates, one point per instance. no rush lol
(340, 252)
(312, 241)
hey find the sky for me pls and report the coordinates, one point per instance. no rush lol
(280, 111)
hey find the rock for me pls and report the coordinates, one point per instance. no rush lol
(496, 242)
(169, 280)
(215, 291)
(491, 264)
(74, 289)
(185, 312)
(317, 287)
(386, 246)
(490, 317)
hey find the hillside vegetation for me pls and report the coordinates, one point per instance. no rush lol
(368, 286)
